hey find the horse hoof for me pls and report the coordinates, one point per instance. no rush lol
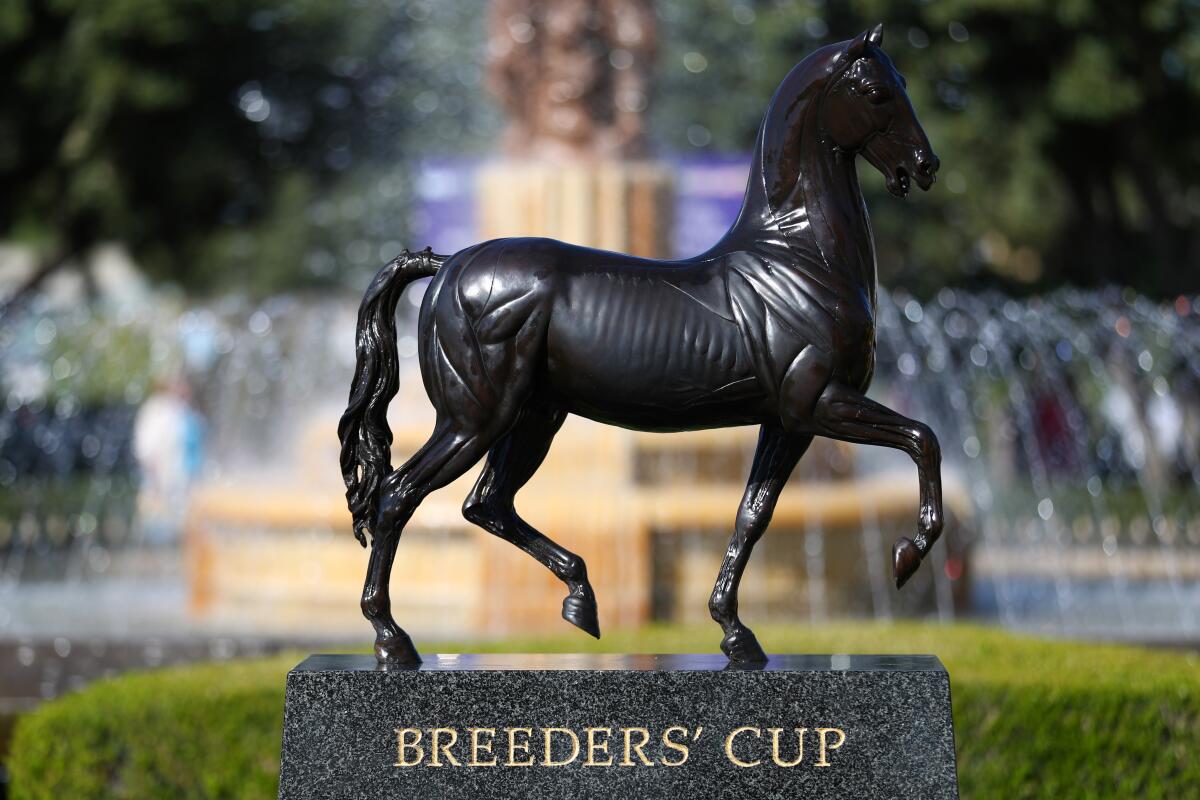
(581, 612)
(906, 558)
(742, 647)
(396, 651)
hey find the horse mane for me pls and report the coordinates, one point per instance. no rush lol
(776, 165)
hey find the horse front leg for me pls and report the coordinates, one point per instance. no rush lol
(847, 414)
(774, 460)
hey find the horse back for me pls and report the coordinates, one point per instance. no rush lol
(624, 340)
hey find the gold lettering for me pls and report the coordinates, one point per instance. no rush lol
(436, 749)
(775, 747)
(729, 745)
(682, 748)
(841, 739)
(513, 747)
(403, 747)
(548, 756)
(594, 747)
(636, 748)
(478, 747)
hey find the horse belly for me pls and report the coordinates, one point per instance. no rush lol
(631, 351)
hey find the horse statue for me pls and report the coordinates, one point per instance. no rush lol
(773, 326)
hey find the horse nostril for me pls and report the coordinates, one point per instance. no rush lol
(927, 164)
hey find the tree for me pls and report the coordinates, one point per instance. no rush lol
(265, 144)
(1066, 129)
(204, 134)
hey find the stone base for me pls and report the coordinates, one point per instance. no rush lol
(563, 726)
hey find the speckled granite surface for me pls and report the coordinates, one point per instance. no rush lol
(619, 727)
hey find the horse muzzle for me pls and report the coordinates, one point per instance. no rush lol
(925, 168)
(921, 167)
(902, 164)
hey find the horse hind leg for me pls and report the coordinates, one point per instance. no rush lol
(449, 453)
(510, 464)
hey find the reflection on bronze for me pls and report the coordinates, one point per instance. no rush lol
(572, 75)
(774, 326)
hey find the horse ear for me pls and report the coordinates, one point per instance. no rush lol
(875, 37)
(857, 45)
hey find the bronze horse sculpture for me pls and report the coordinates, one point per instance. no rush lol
(774, 326)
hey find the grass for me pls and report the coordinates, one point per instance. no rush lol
(1033, 718)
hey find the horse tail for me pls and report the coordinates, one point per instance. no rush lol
(363, 430)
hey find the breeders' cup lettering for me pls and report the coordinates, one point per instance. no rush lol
(744, 747)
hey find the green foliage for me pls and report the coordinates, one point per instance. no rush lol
(213, 137)
(208, 731)
(97, 362)
(204, 134)
(65, 507)
(1033, 719)
(1064, 128)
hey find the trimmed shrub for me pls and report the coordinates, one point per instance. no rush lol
(204, 731)
(1033, 718)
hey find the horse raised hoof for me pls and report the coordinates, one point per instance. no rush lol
(742, 647)
(396, 651)
(906, 558)
(581, 612)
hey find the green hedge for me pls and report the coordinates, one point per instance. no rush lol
(1033, 718)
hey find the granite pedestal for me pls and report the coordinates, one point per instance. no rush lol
(563, 726)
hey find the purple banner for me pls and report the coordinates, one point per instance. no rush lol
(444, 218)
(708, 196)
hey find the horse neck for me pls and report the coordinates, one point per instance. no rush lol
(828, 197)
(822, 222)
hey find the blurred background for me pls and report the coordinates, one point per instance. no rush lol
(193, 196)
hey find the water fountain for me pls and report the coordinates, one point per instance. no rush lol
(1074, 418)
(1063, 523)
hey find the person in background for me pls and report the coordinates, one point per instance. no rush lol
(168, 442)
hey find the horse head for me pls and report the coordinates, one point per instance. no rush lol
(866, 110)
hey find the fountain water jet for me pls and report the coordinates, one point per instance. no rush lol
(1075, 527)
